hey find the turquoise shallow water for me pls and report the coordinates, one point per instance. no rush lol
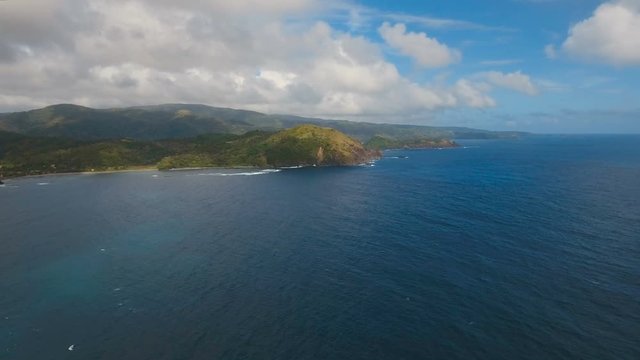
(524, 249)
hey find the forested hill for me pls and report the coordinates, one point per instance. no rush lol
(172, 121)
(303, 145)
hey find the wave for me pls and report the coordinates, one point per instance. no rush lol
(368, 164)
(42, 183)
(251, 173)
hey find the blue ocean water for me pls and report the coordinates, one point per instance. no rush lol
(511, 249)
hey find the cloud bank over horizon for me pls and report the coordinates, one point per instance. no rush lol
(335, 59)
(149, 52)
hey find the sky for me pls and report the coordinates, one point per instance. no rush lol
(547, 66)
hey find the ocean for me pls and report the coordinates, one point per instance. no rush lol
(499, 249)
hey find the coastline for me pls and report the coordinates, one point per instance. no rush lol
(452, 146)
(132, 169)
(135, 169)
(155, 169)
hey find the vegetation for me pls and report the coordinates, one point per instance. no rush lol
(71, 138)
(384, 143)
(21, 155)
(313, 145)
(303, 145)
(175, 121)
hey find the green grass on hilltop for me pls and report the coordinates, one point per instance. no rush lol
(313, 145)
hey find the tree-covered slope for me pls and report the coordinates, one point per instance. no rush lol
(187, 120)
(24, 155)
(77, 122)
(303, 145)
(416, 142)
(313, 145)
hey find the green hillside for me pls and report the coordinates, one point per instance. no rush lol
(313, 145)
(416, 142)
(185, 121)
(23, 155)
(304, 145)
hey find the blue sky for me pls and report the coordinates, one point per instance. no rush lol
(510, 36)
(551, 66)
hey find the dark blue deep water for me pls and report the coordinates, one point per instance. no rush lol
(513, 249)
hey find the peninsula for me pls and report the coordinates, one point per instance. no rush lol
(70, 138)
(305, 145)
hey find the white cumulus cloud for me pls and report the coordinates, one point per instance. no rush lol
(427, 52)
(611, 35)
(515, 81)
(107, 53)
(474, 94)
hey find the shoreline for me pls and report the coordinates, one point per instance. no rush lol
(134, 170)
(155, 169)
(455, 146)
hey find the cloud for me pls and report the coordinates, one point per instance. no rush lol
(501, 62)
(106, 53)
(550, 52)
(442, 23)
(552, 86)
(426, 51)
(474, 94)
(359, 16)
(516, 81)
(611, 35)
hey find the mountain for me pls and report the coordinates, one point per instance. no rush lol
(313, 145)
(173, 121)
(302, 145)
(82, 123)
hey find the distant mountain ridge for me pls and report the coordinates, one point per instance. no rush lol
(174, 121)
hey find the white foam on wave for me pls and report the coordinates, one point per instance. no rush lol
(368, 164)
(43, 184)
(397, 157)
(251, 173)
